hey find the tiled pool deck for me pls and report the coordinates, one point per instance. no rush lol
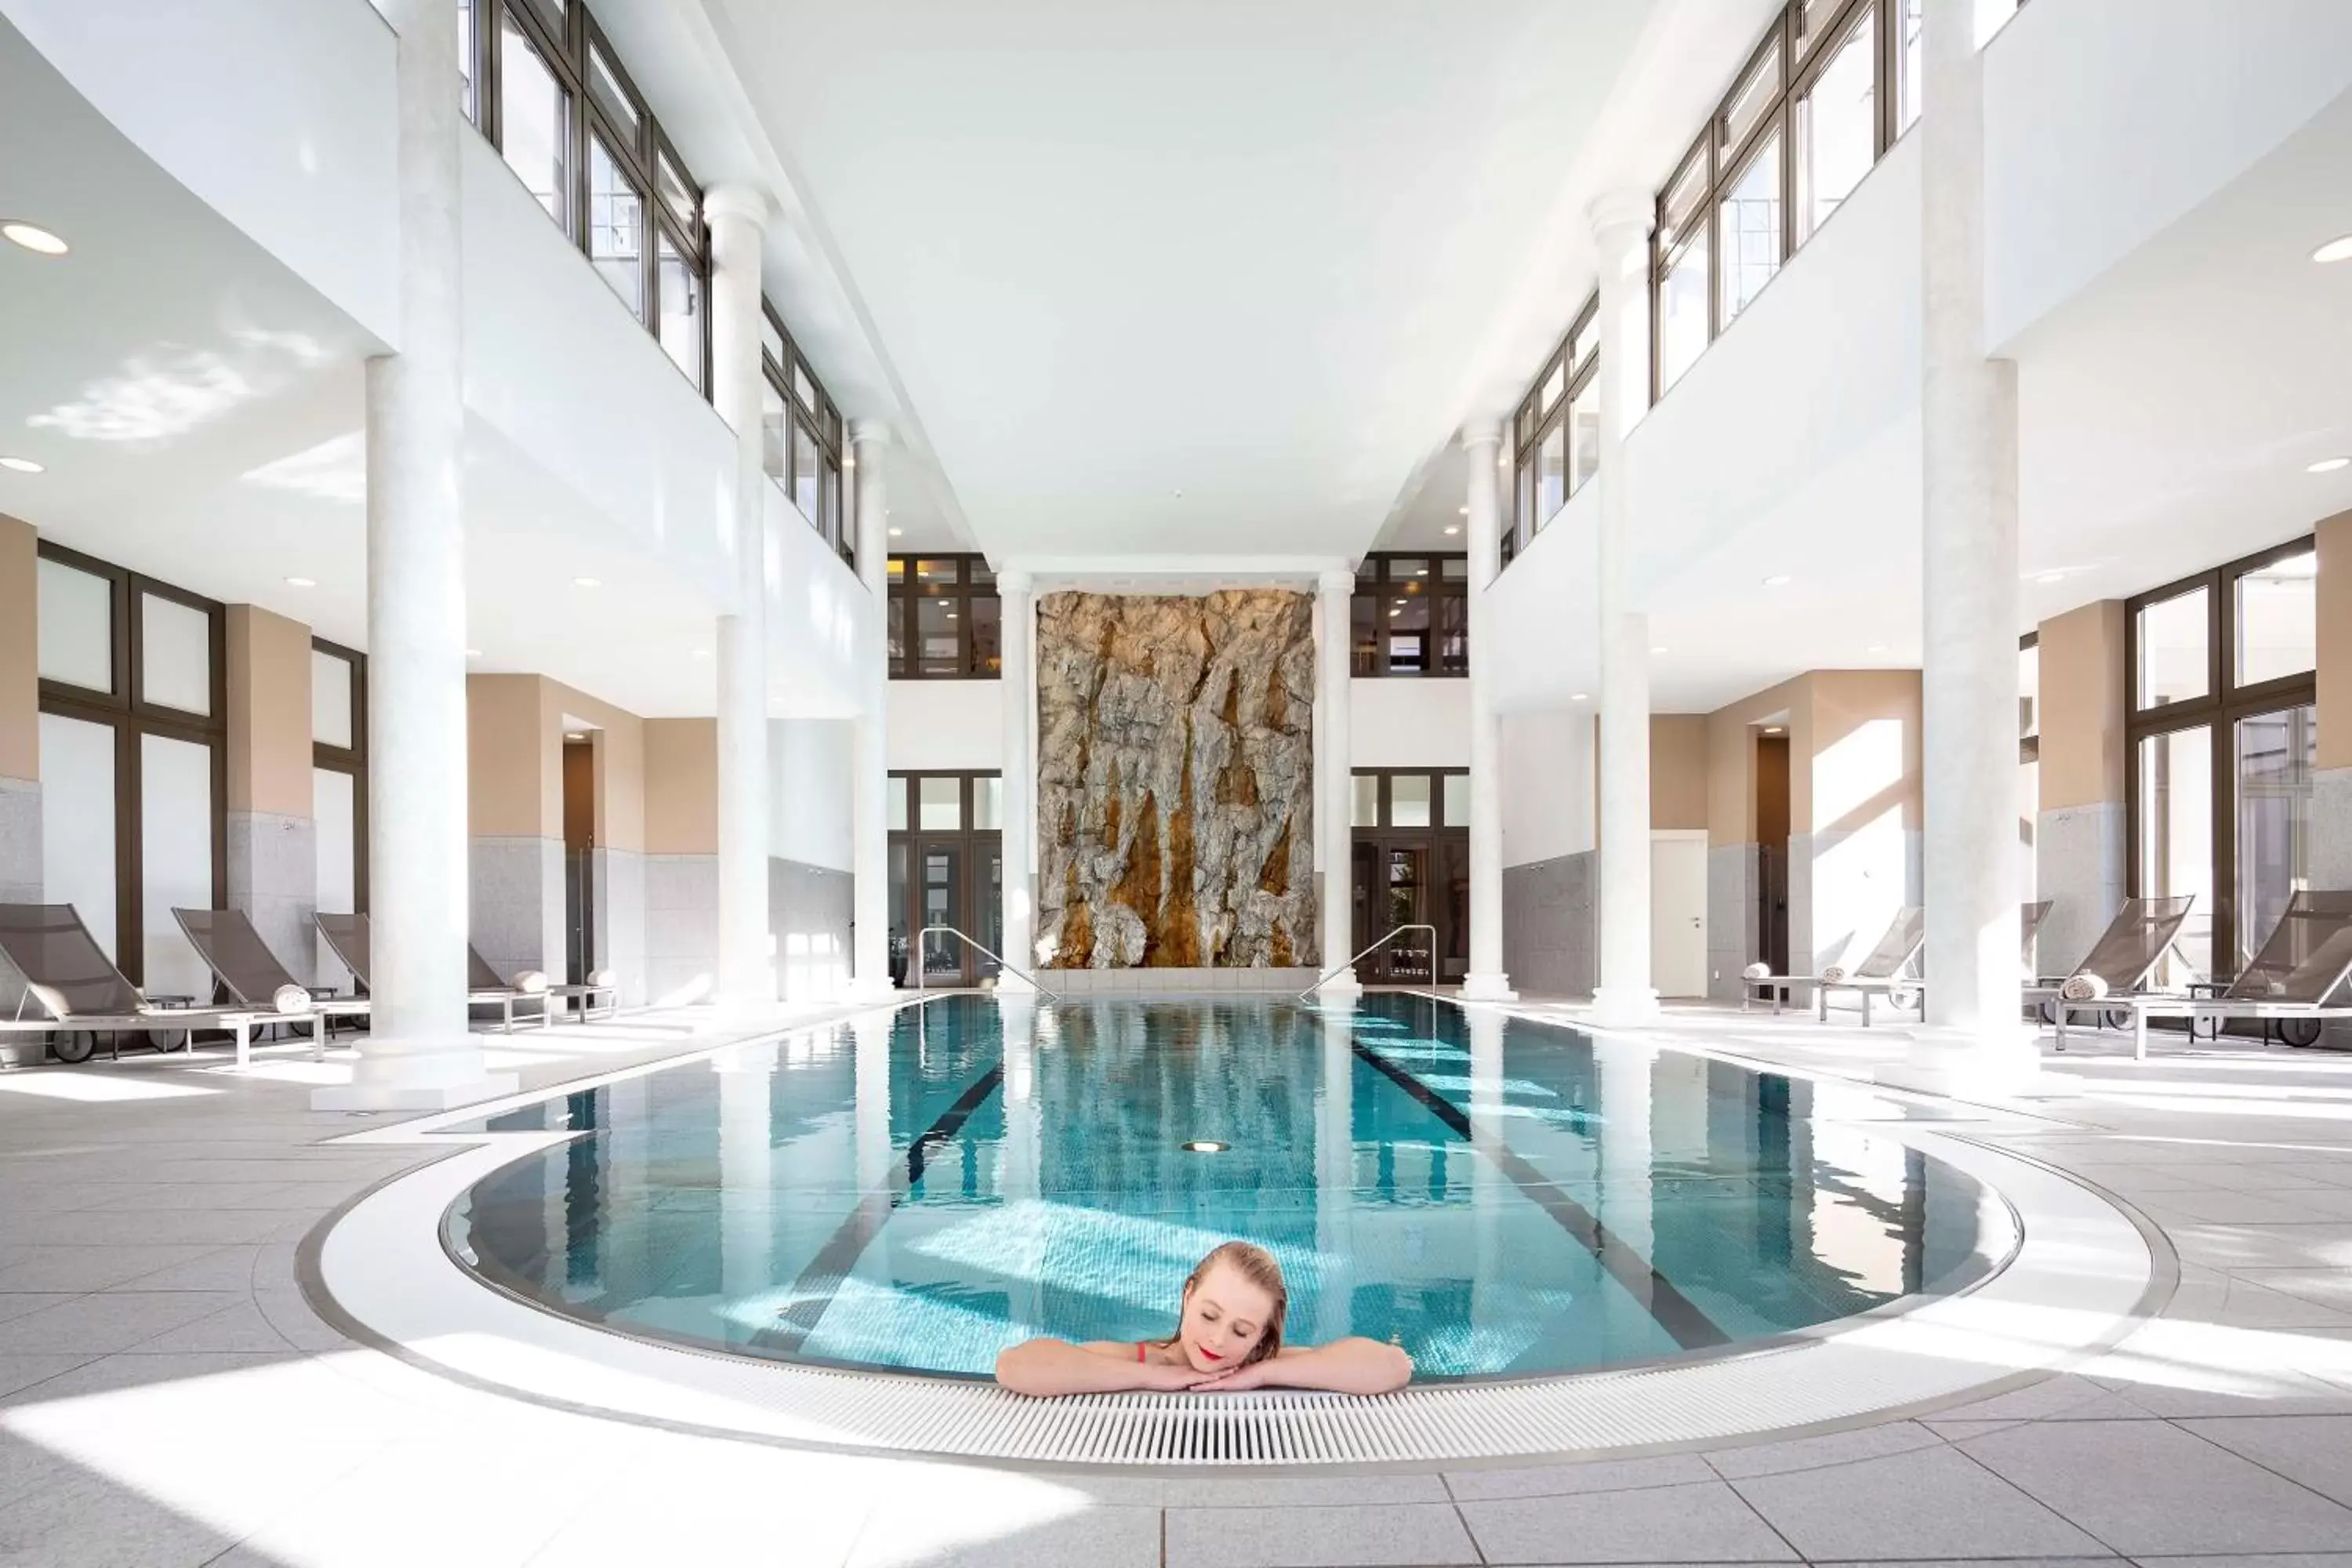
(168, 1397)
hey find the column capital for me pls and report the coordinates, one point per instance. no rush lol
(868, 433)
(749, 203)
(1482, 433)
(1622, 217)
(1015, 581)
(1336, 582)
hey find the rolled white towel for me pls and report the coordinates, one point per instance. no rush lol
(530, 983)
(291, 999)
(605, 979)
(1833, 976)
(2083, 988)
(1756, 972)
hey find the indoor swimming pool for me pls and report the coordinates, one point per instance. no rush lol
(915, 1190)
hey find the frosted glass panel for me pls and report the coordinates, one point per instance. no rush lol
(1457, 800)
(1366, 800)
(1409, 800)
(333, 813)
(77, 634)
(940, 804)
(77, 817)
(987, 805)
(331, 700)
(176, 860)
(177, 655)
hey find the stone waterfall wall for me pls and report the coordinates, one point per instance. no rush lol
(1175, 780)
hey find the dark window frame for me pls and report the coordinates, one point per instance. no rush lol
(902, 587)
(2218, 711)
(126, 712)
(564, 41)
(973, 844)
(1532, 423)
(1435, 840)
(1380, 579)
(818, 425)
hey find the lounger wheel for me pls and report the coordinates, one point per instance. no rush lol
(74, 1048)
(1904, 997)
(2047, 1009)
(164, 1040)
(2116, 1018)
(2299, 1032)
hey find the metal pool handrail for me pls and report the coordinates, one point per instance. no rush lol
(1384, 941)
(918, 959)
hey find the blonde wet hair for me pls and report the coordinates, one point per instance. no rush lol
(1256, 1265)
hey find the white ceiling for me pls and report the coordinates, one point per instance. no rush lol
(1120, 250)
(198, 408)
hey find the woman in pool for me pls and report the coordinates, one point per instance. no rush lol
(1228, 1338)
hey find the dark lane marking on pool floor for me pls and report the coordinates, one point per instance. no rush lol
(1676, 1313)
(818, 1283)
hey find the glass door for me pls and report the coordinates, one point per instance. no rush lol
(2276, 755)
(939, 891)
(2176, 832)
(1408, 959)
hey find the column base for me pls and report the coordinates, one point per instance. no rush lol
(1625, 1007)
(2000, 1061)
(874, 991)
(414, 1097)
(1011, 984)
(1494, 987)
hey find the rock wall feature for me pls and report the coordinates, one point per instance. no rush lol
(1175, 780)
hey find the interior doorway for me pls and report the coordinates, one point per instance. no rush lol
(1772, 848)
(1411, 866)
(578, 855)
(1678, 911)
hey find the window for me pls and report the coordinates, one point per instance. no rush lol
(1551, 434)
(534, 117)
(805, 481)
(946, 859)
(1410, 616)
(1749, 220)
(338, 791)
(468, 64)
(1914, 62)
(617, 225)
(2224, 736)
(611, 93)
(1803, 122)
(945, 619)
(804, 448)
(133, 695)
(681, 309)
(1837, 124)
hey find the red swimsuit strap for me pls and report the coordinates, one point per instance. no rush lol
(1138, 1351)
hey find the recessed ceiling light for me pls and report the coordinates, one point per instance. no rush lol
(587, 583)
(1179, 495)
(896, 532)
(702, 653)
(2333, 250)
(573, 735)
(34, 237)
(1772, 729)
(1779, 580)
(473, 653)
(2050, 577)
(1463, 510)
(1451, 531)
(301, 582)
(1420, 571)
(1875, 647)
(1579, 696)
(1660, 648)
(1394, 613)
(21, 465)
(2329, 465)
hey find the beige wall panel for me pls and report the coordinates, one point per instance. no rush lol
(681, 788)
(1862, 737)
(2334, 644)
(2082, 703)
(20, 652)
(1678, 770)
(514, 785)
(268, 713)
(620, 749)
(1731, 759)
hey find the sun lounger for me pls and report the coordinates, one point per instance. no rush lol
(1880, 974)
(250, 973)
(2118, 965)
(2292, 980)
(85, 994)
(348, 935)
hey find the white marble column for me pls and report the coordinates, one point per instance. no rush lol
(1017, 822)
(870, 738)
(1486, 982)
(1334, 830)
(747, 975)
(1625, 998)
(1973, 1042)
(418, 1053)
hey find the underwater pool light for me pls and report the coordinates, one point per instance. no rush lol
(1204, 1146)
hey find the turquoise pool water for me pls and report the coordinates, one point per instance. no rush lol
(1501, 1198)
